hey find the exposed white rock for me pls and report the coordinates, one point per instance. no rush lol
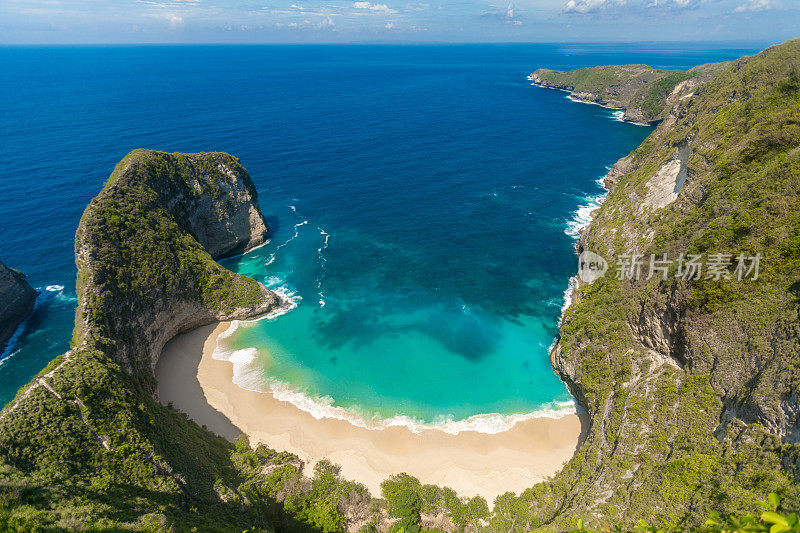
(664, 187)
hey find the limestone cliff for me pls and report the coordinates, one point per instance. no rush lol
(145, 248)
(86, 439)
(16, 301)
(691, 382)
(642, 92)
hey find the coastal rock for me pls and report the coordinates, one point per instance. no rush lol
(681, 374)
(642, 93)
(664, 187)
(16, 301)
(145, 250)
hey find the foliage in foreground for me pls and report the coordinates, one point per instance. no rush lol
(88, 448)
(772, 520)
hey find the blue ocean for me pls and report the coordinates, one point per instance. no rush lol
(423, 201)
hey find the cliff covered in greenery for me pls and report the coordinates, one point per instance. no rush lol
(642, 92)
(691, 381)
(85, 444)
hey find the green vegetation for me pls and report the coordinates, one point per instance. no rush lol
(640, 90)
(407, 499)
(691, 386)
(771, 520)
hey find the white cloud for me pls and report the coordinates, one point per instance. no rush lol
(174, 21)
(674, 4)
(389, 26)
(383, 8)
(507, 13)
(591, 6)
(754, 5)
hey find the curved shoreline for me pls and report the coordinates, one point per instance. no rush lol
(245, 362)
(470, 462)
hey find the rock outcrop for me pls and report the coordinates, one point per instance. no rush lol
(88, 423)
(145, 250)
(690, 379)
(641, 92)
(16, 301)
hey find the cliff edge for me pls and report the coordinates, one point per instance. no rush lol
(685, 353)
(643, 93)
(85, 443)
(145, 250)
(16, 301)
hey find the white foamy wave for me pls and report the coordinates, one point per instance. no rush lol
(578, 100)
(293, 237)
(289, 300)
(288, 297)
(322, 261)
(601, 181)
(249, 374)
(323, 407)
(10, 350)
(254, 248)
(573, 281)
(618, 115)
(272, 281)
(583, 215)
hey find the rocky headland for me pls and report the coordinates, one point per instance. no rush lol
(17, 298)
(641, 92)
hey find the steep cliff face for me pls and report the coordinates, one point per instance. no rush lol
(85, 444)
(691, 381)
(643, 93)
(145, 248)
(16, 301)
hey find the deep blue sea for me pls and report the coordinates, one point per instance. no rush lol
(423, 202)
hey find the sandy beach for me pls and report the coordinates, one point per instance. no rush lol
(469, 462)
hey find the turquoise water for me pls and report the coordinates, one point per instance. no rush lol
(423, 202)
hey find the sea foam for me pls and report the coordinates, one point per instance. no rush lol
(248, 374)
(44, 296)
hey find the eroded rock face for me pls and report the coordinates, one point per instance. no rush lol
(211, 193)
(16, 301)
(677, 371)
(145, 251)
(664, 187)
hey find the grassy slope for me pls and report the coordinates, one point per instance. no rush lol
(715, 429)
(86, 444)
(634, 87)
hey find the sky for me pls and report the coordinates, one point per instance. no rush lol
(329, 21)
